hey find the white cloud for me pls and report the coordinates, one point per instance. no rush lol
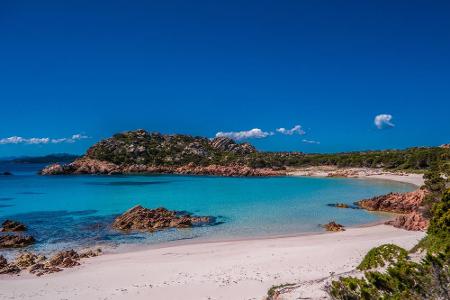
(44, 140)
(383, 121)
(310, 142)
(297, 129)
(79, 136)
(254, 133)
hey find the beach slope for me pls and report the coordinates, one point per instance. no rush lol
(243, 269)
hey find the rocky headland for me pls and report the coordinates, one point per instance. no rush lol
(408, 205)
(143, 152)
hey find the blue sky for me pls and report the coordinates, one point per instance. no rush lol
(94, 68)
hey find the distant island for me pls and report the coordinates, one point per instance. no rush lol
(50, 158)
(142, 152)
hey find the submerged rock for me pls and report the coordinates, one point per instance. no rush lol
(333, 226)
(342, 205)
(11, 225)
(15, 241)
(6, 173)
(144, 219)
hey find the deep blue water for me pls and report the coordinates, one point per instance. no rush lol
(71, 211)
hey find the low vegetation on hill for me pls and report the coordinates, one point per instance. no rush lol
(142, 147)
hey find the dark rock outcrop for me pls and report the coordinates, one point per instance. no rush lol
(8, 268)
(60, 261)
(27, 259)
(64, 259)
(144, 219)
(333, 226)
(6, 173)
(15, 241)
(12, 226)
(40, 265)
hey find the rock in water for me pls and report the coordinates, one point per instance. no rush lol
(144, 219)
(333, 226)
(11, 225)
(15, 241)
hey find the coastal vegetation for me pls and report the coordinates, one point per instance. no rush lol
(381, 256)
(404, 278)
(142, 152)
(417, 159)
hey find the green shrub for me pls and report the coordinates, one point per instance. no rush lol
(382, 256)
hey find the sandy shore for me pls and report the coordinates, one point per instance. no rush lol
(221, 270)
(363, 173)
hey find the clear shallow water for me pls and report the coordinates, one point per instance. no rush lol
(72, 211)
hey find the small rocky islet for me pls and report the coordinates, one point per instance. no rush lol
(140, 218)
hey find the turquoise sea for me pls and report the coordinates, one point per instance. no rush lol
(75, 211)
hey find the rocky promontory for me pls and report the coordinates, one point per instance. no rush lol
(406, 204)
(401, 203)
(143, 152)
